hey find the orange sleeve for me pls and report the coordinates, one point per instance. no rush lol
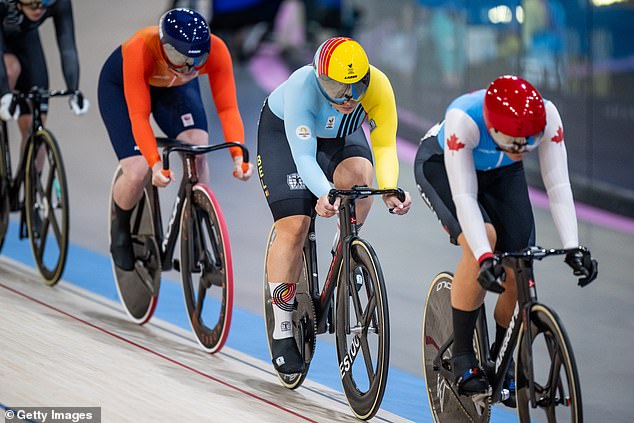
(137, 66)
(219, 69)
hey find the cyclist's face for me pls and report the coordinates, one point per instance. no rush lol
(514, 147)
(347, 107)
(33, 10)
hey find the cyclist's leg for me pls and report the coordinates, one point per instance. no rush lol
(466, 294)
(29, 52)
(180, 113)
(347, 162)
(128, 188)
(291, 205)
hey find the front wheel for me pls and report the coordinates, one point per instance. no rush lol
(555, 394)
(362, 330)
(46, 206)
(446, 405)
(206, 269)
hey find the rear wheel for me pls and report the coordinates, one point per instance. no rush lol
(446, 405)
(206, 269)
(557, 393)
(362, 330)
(139, 288)
(46, 206)
(5, 174)
(304, 321)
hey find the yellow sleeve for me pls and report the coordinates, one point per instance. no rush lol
(380, 104)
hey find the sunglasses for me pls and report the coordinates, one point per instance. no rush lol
(36, 5)
(182, 63)
(339, 92)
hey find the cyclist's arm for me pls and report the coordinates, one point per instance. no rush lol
(4, 79)
(461, 137)
(299, 123)
(137, 66)
(220, 73)
(553, 165)
(380, 104)
(65, 33)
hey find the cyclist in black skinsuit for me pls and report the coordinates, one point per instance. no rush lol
(24, 64)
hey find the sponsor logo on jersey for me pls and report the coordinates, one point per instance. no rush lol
(295, 182)
(372, 124)
(303, 132)
(330, 123)
(187, 119)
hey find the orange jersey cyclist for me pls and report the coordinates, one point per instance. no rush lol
(155, 72)
(469, 171)
(310, 136)
(24, 64)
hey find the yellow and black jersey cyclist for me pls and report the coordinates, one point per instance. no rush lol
(310, 136)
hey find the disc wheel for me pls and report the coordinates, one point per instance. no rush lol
(446, 405)
(304, 320)
(139, 288)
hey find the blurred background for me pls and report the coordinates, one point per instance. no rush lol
(577, 53)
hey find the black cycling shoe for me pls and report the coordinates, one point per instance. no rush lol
(509, 384)
(121, 244)
(286, 356)
(36, 230)
(470, 377)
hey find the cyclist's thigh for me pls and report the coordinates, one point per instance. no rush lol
(332, 151)
(433, 185)
(285, 191)
(178, 109)
(113, 107)
(28, 49)
(504, 196)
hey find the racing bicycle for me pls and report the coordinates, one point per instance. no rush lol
(547, 386)
(357, 313)
(205, 256)
(38, 189)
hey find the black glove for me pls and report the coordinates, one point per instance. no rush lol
(490, 271)
(583, 264)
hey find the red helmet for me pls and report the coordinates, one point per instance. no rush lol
(514, 107)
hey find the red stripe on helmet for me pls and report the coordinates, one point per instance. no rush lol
(326, 53)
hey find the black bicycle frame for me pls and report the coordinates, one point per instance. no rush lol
(348, 233)
(34, 98)
(167, 240)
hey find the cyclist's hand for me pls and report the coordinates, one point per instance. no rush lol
(395, 205)
(583, 265)
(78, 103)
(239, 171)
(9, 108)
(490, 271)
(324, 208)
(158, 178)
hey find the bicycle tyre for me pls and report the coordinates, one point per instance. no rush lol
(363, 383)
(304, 320)
(5, 175)
(138, 289)
(446, 405)
(560, 404)
(47, 206)
(205, 252)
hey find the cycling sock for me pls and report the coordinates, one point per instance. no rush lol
(500, 333)
(122, 218)
(283, 300)
(463, 327)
